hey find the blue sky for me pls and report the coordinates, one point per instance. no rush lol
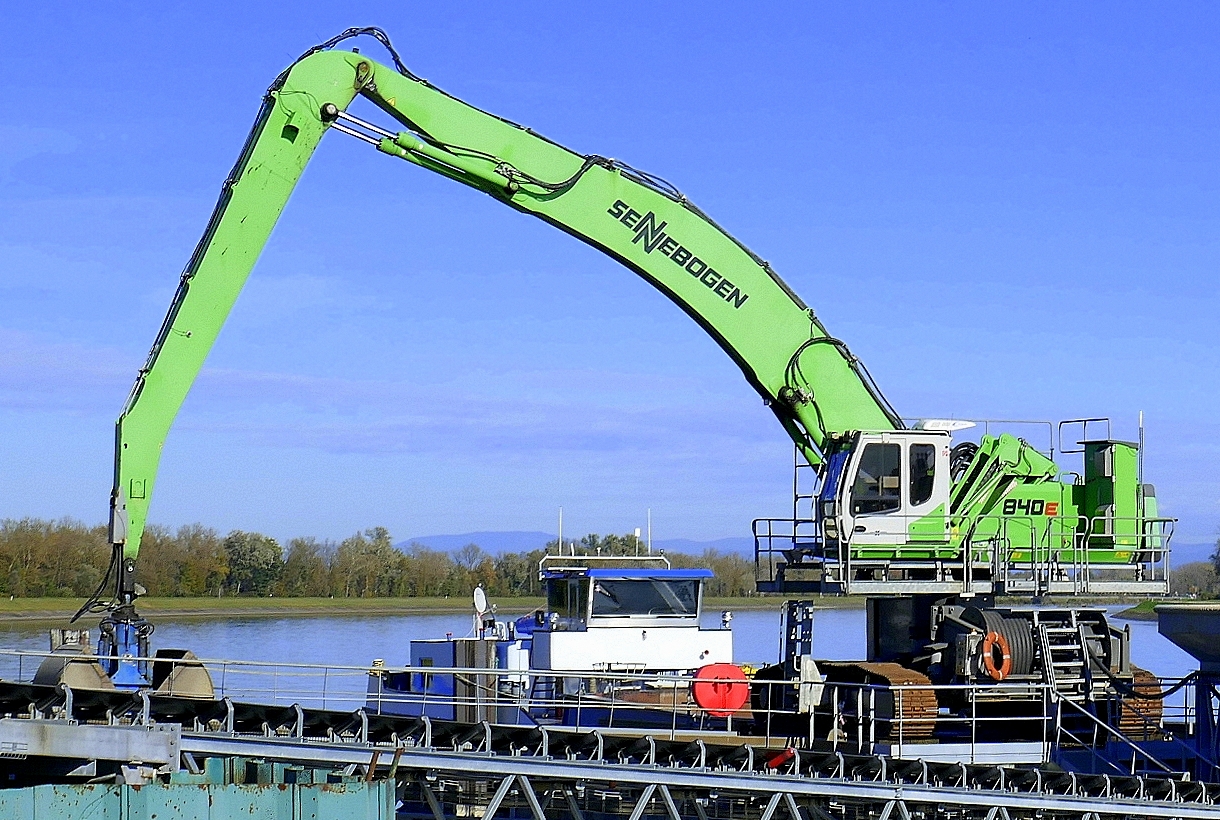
(1008, 211)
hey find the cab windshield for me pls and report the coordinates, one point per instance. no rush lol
(653, 597)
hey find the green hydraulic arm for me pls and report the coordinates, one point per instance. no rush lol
(810, 380)
(996, 466)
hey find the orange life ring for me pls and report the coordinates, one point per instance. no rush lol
(992, 643)
(720, 689)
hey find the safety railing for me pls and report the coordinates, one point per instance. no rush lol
(791, 556)
(593, 698)
(1059, 554)
(783, 542)
(907, 720)
(1097, 739)
(970, 723)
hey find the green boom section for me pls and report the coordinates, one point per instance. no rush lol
(283, 139)
(813, 384)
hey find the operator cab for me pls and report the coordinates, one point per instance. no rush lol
(880, 519)
(886, 488)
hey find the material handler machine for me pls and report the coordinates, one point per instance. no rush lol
(931, 529)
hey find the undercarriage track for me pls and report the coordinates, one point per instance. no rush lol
(1140, 718)
(907, 699)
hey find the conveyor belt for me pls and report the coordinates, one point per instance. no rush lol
(705, 765)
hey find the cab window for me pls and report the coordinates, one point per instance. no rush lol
(923, 472)
(878, 484)
(568, 598)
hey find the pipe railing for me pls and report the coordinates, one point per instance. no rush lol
(854, 716)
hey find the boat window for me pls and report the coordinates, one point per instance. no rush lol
(557, 596)
(923, 472)
(877, 487)
(568, 598)
(650, 596)
(579, 596)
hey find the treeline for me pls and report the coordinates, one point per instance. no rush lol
(1199, 579)
(66, 558)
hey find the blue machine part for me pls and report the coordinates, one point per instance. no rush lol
(123, 649)
(436, 687)
(832, 476)
(524, 625)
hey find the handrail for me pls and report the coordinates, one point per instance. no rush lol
(851, 710)
(659, 558)
(1105, 727)
(1084, 432)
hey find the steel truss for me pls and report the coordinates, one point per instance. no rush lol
(447, 769)
(437, 782)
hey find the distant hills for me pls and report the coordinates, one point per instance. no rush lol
(518, 541)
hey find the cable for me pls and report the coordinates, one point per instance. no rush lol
(94, 604)
(1128, 690)
(363, 31)
(647, 180)
(651, 181)
(795, 374)
(961, 457)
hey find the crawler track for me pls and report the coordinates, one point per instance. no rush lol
(1140, 718)
(910, 697)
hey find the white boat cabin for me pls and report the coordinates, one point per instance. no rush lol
(626, 620)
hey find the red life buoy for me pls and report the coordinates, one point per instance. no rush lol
(994, 643)
(720, 688)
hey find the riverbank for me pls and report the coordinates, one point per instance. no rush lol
(57, 610)
(1144, 610)
(61, 609)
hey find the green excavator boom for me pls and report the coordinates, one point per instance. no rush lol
(815, 386)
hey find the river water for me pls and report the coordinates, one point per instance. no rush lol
(839, 634)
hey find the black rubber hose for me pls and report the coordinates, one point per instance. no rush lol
(960, 457)
(1020, 635)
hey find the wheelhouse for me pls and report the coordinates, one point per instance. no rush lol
(580, 598)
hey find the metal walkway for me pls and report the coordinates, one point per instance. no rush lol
(446, 769)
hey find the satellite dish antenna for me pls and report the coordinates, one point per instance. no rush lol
(480, 600)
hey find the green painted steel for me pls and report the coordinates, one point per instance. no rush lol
(206, 801)
(813, 384)
(1110, 497)
(284, 137)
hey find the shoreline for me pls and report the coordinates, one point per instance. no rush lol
(57, 611)
(53, 611)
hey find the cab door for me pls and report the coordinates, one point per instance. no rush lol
(926, 503)
(898, 489)
(874, 504)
